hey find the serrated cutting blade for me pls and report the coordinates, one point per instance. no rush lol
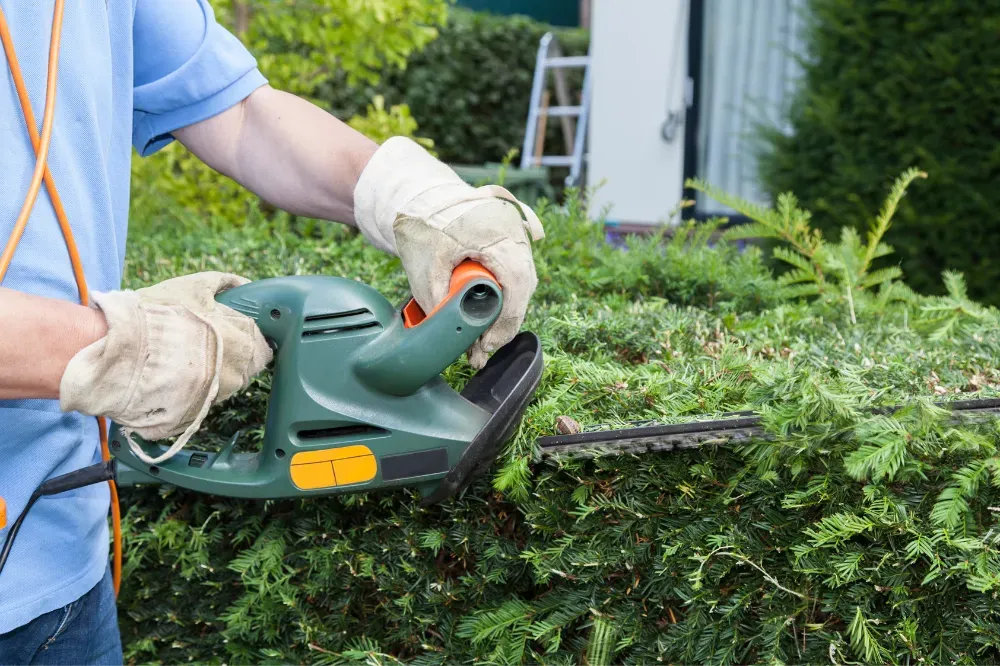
(735, 427)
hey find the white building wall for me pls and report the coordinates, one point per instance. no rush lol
(639, 51)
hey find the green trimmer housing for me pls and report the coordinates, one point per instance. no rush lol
(357, 401)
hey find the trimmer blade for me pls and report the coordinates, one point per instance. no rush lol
(738, 427)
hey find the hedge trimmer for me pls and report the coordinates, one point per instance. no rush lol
(357, 402)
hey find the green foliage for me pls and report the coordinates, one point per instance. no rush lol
(303, 44)
(469, 88)
(381, 124)
(888, 85)
(844, 537)
(845, 271)
(954, 310)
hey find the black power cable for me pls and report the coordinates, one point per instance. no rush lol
(87, 476)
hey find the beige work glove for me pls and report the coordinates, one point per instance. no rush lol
(171, 352)
(411, 205)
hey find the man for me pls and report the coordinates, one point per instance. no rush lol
(141, 73)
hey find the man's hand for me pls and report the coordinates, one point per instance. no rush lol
(416, 207)
(170, 353)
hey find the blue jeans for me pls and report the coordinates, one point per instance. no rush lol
(83, 632)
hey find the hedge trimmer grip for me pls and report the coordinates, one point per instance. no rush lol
(426, 344)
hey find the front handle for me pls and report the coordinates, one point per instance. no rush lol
(464, 273)
(409, 356)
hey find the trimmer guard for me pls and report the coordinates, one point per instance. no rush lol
(503, 388)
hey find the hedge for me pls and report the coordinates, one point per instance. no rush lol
(888, 85)
(846, 538)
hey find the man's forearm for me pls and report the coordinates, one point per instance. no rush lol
(286, 150)
(38, 338)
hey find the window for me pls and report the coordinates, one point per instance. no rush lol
(743, 61)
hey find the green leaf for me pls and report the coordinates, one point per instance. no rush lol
(864, 639)
(601, 643)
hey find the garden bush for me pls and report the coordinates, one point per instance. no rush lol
(469, 89)
(845, 537)
(891, 84)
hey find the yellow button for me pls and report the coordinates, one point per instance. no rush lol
(355, 470)
(338, 453)
(339, 466)
(313, 475)
(3, 514)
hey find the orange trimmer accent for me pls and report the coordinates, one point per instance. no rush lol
(464, 273)
(41, 145)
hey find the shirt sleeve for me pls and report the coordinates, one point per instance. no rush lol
(186, 68)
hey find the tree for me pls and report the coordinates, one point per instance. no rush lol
(886, 86)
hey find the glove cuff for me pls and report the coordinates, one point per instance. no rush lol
(398, 173)
(115, 358)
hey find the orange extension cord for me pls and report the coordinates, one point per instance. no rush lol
(41, 146)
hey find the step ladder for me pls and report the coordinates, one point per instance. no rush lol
(572, 117)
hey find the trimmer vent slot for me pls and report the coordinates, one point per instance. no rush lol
(341, 329)
(334, 324)
(343, 431)
(338, 315)
(197, 460)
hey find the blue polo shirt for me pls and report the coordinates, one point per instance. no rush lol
(130, 72)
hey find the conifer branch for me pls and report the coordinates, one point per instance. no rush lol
(724, 551)
(882, 222)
